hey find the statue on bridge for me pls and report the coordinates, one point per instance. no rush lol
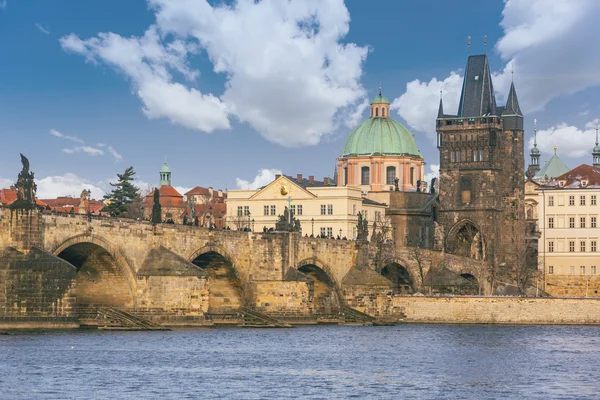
(362, 228)
(287, 222)
(26, 187)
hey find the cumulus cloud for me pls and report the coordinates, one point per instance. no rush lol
(290, 78)
(434, 172)
(42, 29)
(419, 104)
(569, 140)
(264, 177)
(6, 183)
(66, 185)
(547, 62)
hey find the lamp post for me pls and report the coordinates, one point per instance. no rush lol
(312, 221)
(252, 224)
(340, 233)
(248, 219)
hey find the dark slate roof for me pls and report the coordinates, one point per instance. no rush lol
(477, 97)
(306, 183)
(365, 277)
(163, 262)
(372, 202)
(512, 103)
(441, 109)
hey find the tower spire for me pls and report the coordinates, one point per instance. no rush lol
(596, 151)
(534, 167)
(441, 108)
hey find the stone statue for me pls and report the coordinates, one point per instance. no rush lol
(433, 182)
(396, 188)
(26, 186)
(156, 208)
(362, 228)
(287, 222)
(418, 185)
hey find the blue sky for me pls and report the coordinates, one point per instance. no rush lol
(228, 92)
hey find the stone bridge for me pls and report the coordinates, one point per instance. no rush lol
(174, 270)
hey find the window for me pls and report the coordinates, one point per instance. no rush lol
(378, 216)
(412, 175)
(593, 199)
(571, 222)
(299, 209)
(383, 112)
(323, 232)
(354, 209)
(550, 222)
(572, 246)
(593, 245)
(582, 246)
(330, 232)
(571, 200)
(452, 156)
(266, 210)
(582, 200)
(475, 155)
(273, 210)
(551, 247)
(364, 176)
(466, 187)
(593, 270)
(550, 201)
(550, 269)
(246, 210)
(390, 175)
(480, 155)
(458, 155)
(365, 214)
(571, 270)
(240, 211)
(293, 209)
(593, 222)
(323, 209)
(376, 111)
(329, 209)
(582, 222)
(582, 270)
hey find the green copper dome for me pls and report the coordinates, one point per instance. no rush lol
(165, 168)
(380, 136)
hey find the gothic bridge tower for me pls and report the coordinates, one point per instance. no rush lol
(482, 170)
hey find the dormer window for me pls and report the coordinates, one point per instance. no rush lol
(584, 183)
(561, 183)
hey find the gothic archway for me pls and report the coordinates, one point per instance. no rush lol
(323, 291)
(399, 276)
(466, 240)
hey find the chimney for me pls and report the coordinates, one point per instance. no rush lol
(311, 180)
(210, 190)
(277, 176)
(220, 193)
(299, 178)
(326, 181)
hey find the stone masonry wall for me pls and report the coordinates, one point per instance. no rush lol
(498, 310)
(376, 301)
(281, 298)
(181, 295)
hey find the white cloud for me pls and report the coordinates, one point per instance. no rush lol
(92, 151)
(3, 4)
(114, 153)
(356, 116)
(290, 78)
(546, 42)
(434, 172)
(419, 104)
(5, 183)
(569, 140)
(42, 29)
(264, 177)
(68, 184)
(182, 189)
(58, 134)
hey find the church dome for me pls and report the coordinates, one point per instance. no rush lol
(535, 150)
(165, 168)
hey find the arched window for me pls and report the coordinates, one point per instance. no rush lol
(412, 175)
(390, 175)
(345, 176)
(382, 112)
(364, 176)
(377, 111)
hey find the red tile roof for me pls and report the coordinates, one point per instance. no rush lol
(198, 191)
(574, 178)
(169, 197)
(9, 196)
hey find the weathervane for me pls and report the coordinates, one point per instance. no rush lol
(485, 43)
(469, 44)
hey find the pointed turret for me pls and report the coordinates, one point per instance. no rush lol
(512, 103)
(596, 151)
(534, 167)
(441, 109)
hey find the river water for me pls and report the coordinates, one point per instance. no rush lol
(318, 362)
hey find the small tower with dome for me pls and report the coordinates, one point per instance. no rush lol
(596, 152)
(380, 154)
(165, 175)
(534, 167)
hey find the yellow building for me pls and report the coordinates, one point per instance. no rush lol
(322, 208)
(569, 208)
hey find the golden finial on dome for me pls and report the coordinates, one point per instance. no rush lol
(555, 150)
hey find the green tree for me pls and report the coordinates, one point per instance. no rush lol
(122, 196)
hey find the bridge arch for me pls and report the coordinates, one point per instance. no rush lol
(324, 291)
(466, 239)
(400, 276)
(226, 288)
(104, 274)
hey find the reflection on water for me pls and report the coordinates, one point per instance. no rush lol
(406, 361)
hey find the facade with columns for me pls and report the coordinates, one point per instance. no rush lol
(378, 152)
